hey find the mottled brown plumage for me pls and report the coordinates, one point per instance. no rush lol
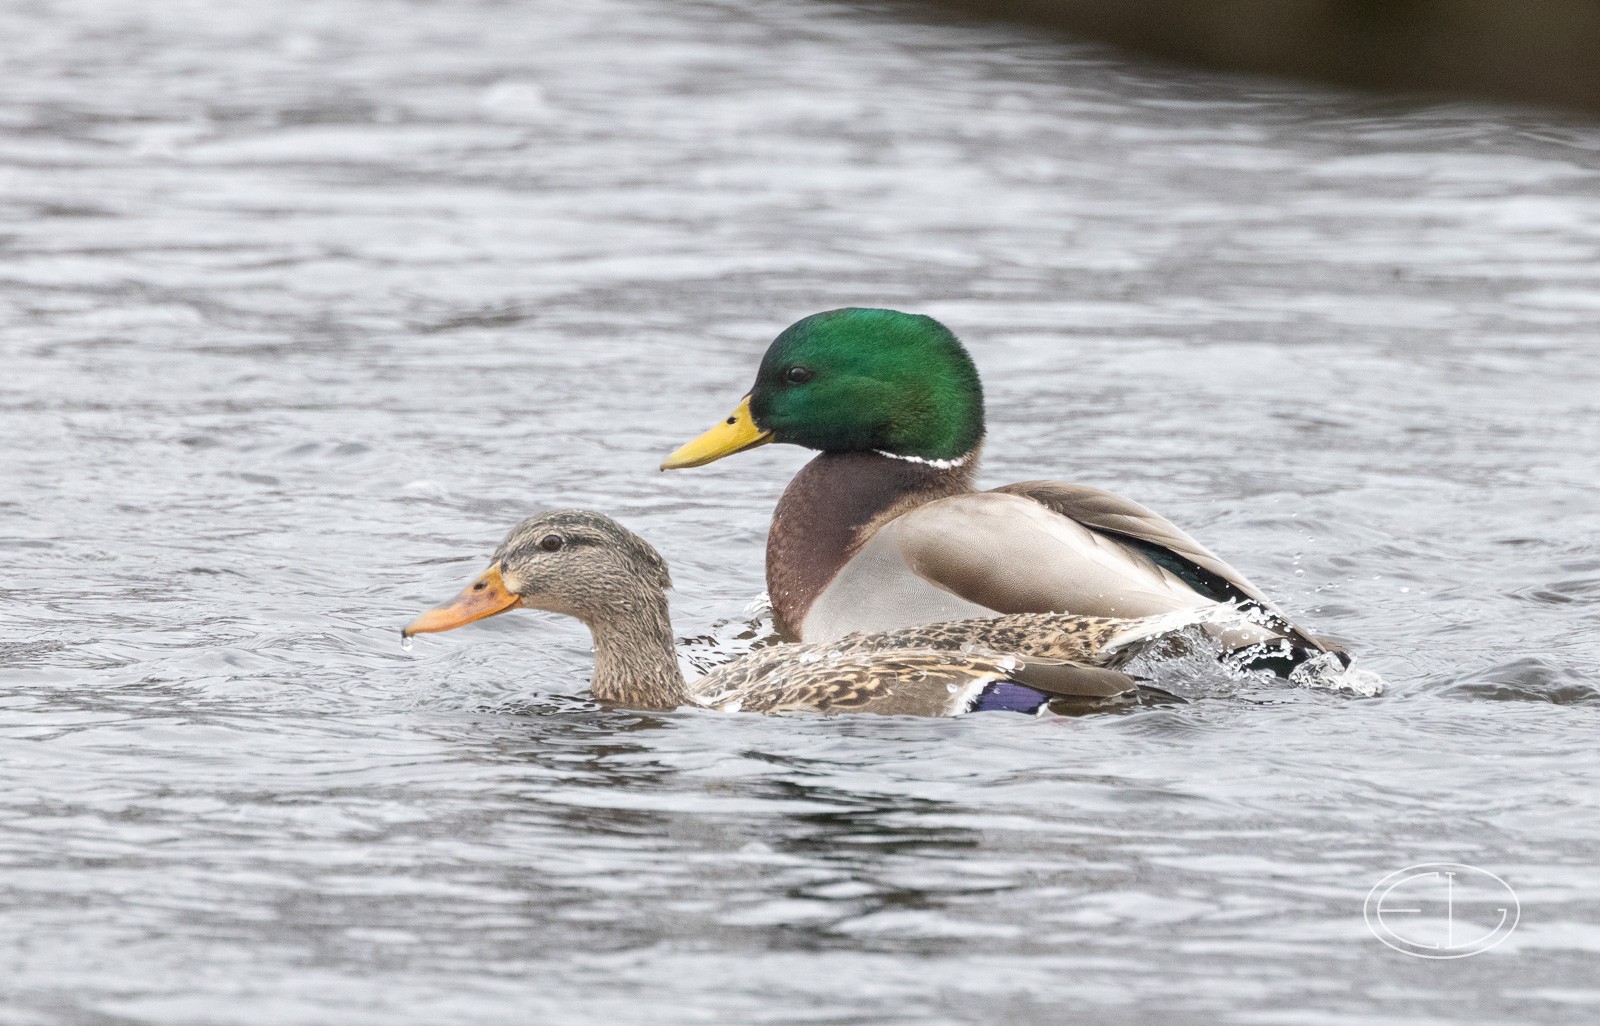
(587, 566)
(814, 678)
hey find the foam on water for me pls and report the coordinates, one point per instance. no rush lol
(728, 639)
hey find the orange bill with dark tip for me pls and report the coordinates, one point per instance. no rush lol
(485, 596)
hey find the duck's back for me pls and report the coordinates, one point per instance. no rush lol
(989, 554)
(1035, 547)
(814, 678)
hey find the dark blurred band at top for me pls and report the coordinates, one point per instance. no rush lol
(1544, 51)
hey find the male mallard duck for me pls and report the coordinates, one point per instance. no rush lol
(884, 529)
(588, 566)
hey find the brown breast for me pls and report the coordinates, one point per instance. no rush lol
(831, 508)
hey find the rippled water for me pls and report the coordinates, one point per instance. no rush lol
(303, 304)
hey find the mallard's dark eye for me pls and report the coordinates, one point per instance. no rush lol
(797, 375)
(551, 542)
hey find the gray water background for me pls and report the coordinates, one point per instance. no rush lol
(302, 305)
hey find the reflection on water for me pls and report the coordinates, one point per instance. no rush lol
(304, 304)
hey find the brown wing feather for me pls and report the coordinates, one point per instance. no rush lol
(1010, 554)
(814, 678)
(1063, 636)
(919, 670)
(1056, 652)
(1111, 514)
(1059, 677)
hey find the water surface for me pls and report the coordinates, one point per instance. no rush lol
(303, 304)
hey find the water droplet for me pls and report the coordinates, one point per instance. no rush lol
(405, 643)
(950, 688)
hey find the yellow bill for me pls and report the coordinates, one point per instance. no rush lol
(735, 434)
(485, 596)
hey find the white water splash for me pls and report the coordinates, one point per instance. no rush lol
(727, 640)
(1327, 673)
(1187, 663)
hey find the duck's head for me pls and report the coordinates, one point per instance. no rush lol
(573, 562)
(855, 380)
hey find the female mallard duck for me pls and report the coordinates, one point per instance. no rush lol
(588, 566)
(885, 529)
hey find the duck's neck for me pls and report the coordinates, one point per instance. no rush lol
(833, 506)
(636, 661)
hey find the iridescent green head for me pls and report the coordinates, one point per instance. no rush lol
(856, 380)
